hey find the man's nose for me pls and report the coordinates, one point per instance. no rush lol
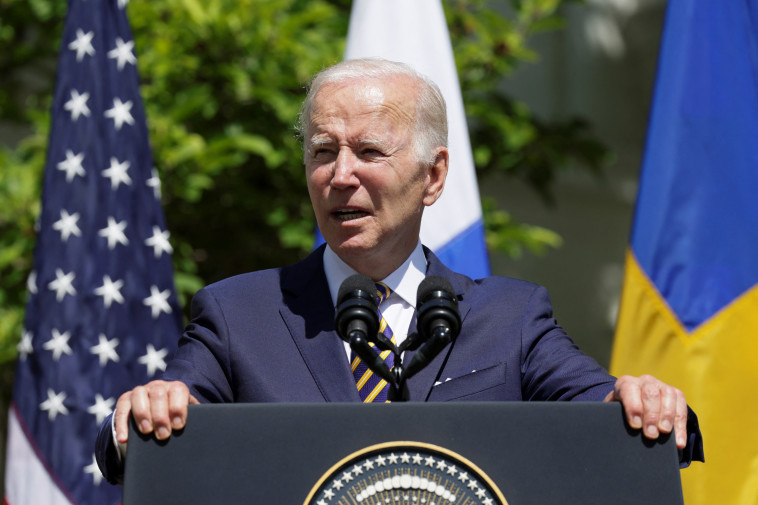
(345, 170)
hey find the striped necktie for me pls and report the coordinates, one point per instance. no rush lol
(372, 388)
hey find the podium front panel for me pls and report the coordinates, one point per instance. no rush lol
(276, 454)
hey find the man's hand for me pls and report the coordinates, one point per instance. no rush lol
(158, 407)
(653, 406)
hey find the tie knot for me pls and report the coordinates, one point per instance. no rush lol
(382, 292)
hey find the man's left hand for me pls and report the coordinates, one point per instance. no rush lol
(653, 406)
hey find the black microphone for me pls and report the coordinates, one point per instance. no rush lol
(357, 322)
(439, 320)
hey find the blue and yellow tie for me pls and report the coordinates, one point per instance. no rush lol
(372, 388)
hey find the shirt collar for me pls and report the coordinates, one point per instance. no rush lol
(404, 281)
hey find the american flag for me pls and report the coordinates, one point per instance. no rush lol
(102, 313)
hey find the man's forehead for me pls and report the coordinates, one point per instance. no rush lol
(373, 101)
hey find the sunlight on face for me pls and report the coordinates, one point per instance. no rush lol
(367, 189)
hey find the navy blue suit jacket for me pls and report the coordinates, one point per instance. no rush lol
(269, 336)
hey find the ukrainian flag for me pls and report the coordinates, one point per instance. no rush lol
(689, 309)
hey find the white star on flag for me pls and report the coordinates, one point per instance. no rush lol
(118, 172)
(158, 301)
(58, 344)
(77, 105)
(110, 291)
(120, 113)
(63, 284)
(155, 183)
(54, 404)
(72, 165)
(101, 408)
(24, 347)
(67, 225)
(114, 232)
(153, 360)
(31, 282)
(159, 242)
(83, 44)
(94, 470)
(123, 53)
(105, 350)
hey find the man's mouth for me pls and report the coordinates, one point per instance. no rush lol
(348, 214)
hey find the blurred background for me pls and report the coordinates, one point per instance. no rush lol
(557, 94)
(600, 67)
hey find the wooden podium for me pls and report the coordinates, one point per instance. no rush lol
(494, 453)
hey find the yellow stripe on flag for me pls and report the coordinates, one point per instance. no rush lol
(716, 366)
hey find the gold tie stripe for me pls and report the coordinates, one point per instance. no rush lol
(372, 388)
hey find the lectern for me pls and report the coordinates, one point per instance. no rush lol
(495, 453)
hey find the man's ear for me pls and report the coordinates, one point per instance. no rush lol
(436, 174)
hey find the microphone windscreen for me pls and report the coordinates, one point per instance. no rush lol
(354, 283)
(432, 284)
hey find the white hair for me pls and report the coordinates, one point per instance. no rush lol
(430, 131)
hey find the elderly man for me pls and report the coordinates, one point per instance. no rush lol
(375, 137)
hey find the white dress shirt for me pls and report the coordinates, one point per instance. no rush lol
(398, 309)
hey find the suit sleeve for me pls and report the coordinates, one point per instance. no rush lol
(202, 360)
(555, 369)
(552, 366)
(106, 453)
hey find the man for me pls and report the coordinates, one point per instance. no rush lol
(375, 137)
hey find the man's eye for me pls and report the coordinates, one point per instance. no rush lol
(372, 152)
(321, 152)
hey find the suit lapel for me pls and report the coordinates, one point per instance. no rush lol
(420, 385)
(309, 315)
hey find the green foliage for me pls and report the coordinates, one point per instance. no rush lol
(505, 136)
(507, 235)
(222, 83)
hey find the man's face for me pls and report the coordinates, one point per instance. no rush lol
(367, 189)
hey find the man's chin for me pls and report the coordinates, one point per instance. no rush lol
(350, 250)
(352, 247)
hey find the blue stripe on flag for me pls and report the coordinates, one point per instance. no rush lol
(466, 253)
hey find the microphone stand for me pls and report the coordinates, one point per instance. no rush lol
(398, 390)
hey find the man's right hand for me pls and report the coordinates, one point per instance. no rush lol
(158, 407)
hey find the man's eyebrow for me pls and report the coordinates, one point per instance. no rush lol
(319, 140)
(373, 142)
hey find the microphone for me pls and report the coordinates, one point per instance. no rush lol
(439, 320)
(357, 322)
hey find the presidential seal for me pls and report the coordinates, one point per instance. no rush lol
(405, 473)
